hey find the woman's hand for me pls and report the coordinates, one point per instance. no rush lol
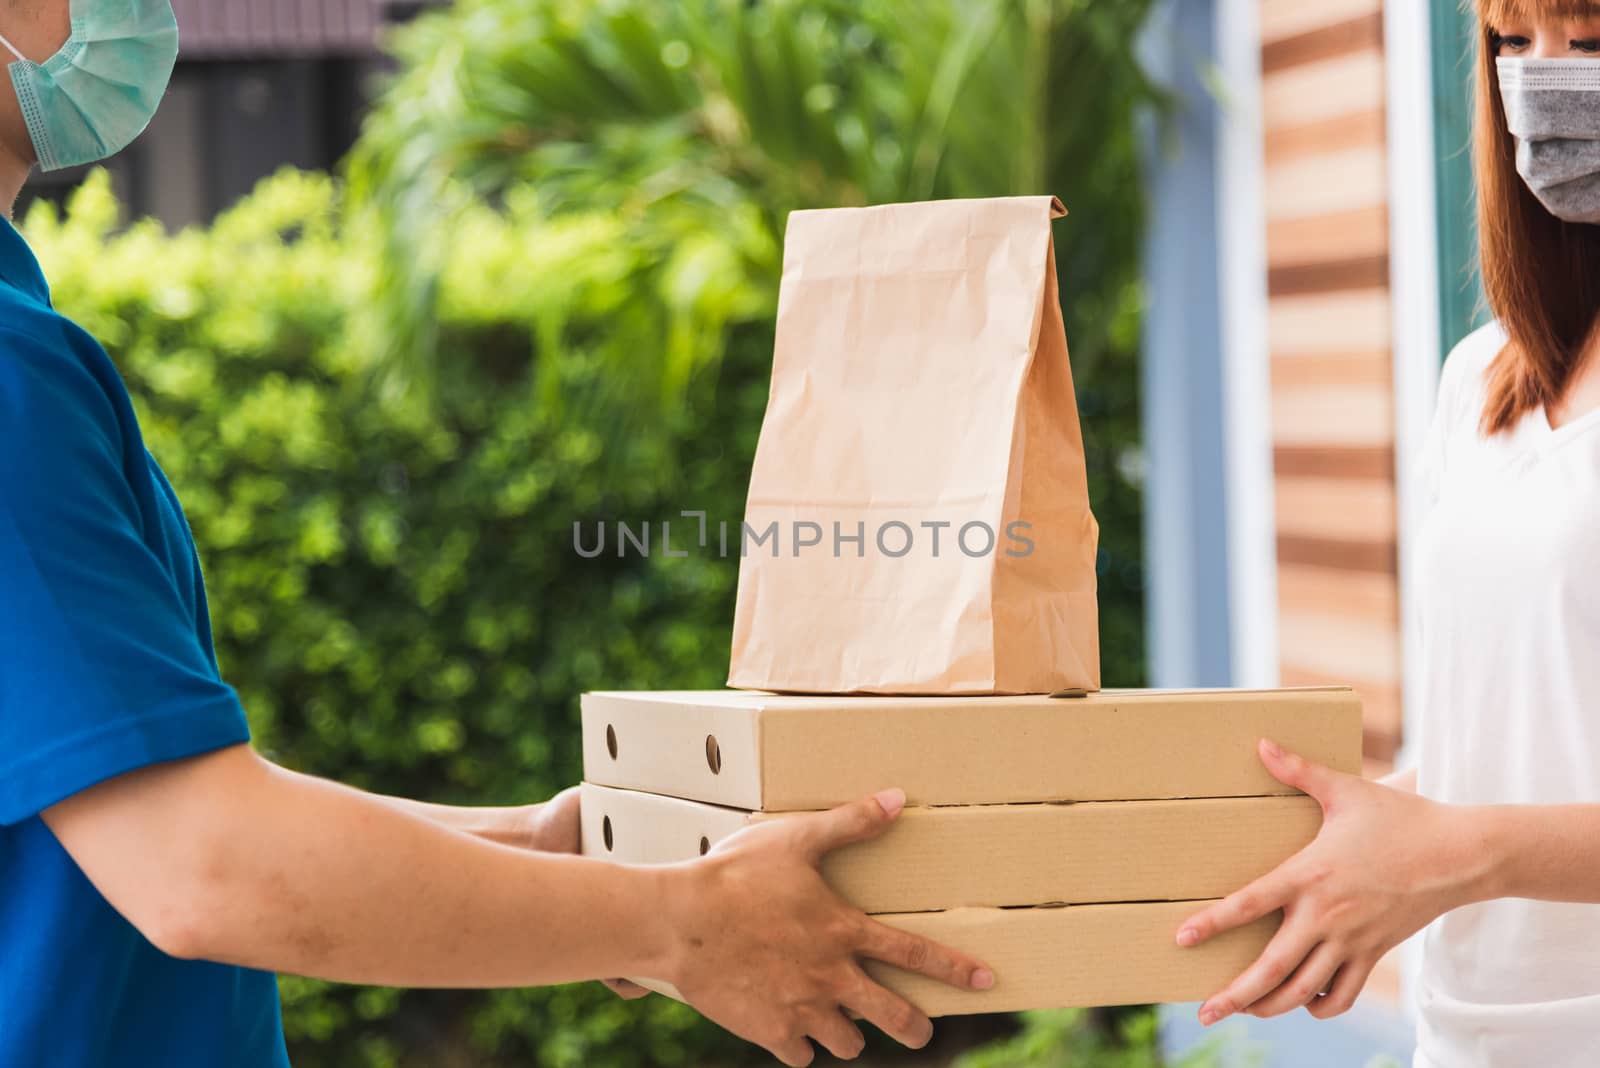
(1384, 865)
(768, 951)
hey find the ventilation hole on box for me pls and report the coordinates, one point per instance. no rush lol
(705, 846)
(605, 832)
(713, 754)
(611, 741)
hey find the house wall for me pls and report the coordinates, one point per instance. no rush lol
(1329, 334)
(260, 85)
(1188, 592)
(223, 127)
(256, 28)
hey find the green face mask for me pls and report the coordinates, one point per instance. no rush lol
(92, 98)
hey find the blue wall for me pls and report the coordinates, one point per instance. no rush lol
(1186, 536)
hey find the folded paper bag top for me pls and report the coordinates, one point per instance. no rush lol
(918, 519)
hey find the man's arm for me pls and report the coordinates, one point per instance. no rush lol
(227, 857)
(550, 827)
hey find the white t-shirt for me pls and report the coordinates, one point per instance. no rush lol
(1508, 650)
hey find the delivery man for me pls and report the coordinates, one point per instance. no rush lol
(155, 872)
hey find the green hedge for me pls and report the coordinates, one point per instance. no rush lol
(1071, 1039)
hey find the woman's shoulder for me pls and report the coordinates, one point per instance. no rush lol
(1465, 369)
(1474, 353)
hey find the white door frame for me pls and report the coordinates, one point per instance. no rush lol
(1417, 332)
(1246, 355)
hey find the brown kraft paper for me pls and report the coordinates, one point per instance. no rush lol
(918, 519)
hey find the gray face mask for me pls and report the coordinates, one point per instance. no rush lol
(1553, 110)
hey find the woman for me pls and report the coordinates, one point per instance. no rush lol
(1493, 842)
(154, 871)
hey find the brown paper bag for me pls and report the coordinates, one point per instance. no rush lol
(918, 518)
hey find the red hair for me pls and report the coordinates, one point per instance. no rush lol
(1541, 275)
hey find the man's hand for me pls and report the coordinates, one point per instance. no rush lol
(1384, 865)
(768, 951)
(554, 827)
(550, 827)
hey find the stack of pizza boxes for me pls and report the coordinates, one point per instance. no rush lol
(1062, 840)
(917, 610)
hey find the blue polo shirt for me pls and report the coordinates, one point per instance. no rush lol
(106, 665)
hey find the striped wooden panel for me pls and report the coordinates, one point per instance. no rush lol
(1379, 703)
(1348, 130)
(1360, 33)
(1357, 651)
(1328, 89)
(212, 29)
(1345, 507)
(1327, 183)
(1333, 369)
(1326, 201)
(1283, 19)
(1335, 416)
(1302, 324)
(1329, 238)
(1318, 462)
(1352, 597)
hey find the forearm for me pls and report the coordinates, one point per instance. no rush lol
(1405, 781)
(373, 895)
(269, 869)
(1546, 852)
(513, 826)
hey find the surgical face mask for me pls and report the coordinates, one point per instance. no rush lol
(92, 98)
(1553, 111)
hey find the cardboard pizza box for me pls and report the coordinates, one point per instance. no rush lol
(995, 855)
(775, 753)
(1077, 956)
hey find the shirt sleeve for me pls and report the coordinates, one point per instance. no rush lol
(102, 670)
(1428, 468)
(1457, 408)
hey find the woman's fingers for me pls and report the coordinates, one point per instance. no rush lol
(837, 1035)
(891, 1014)
(913, 953)
(1294, 770)
(1312, 978)
(1277, 962)
(1347, 986)
(1261, 898)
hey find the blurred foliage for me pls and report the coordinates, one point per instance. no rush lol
(1066, 1040)
(700, 124)
(545, 297)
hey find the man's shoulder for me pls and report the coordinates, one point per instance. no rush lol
(21, 314)
(51, 384)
